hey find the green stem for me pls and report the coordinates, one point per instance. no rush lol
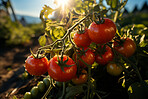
(67, 33)
(116, 16)
(89, 82)
(63, 92)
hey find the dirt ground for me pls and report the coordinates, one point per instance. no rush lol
(12, 61)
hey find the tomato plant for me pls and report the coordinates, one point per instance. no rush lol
(102, 33)
(114, 69)
(36, 66)
(127, 47)
(104, 58)
(82, 39)
(62, 45)
(56, 72)
(82, 78)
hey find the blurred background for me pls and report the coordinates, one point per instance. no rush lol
(20, 27)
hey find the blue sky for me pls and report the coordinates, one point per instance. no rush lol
(33, 7)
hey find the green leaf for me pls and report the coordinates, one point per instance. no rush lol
(97, 7)
(138, 90)
(14, 97)
(142, 42)
(73, 90)
(42, 40)
(47, 10)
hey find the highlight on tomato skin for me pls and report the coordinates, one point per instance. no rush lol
(36, 66)
(102, 33)
(113, 69)
(126, 48)
(55, 71)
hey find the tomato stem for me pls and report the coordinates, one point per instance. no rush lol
(89, 81)
(63, 92)
(67, 33)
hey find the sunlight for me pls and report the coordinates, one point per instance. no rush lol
(62, 3)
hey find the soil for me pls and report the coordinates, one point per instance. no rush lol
(12, 59)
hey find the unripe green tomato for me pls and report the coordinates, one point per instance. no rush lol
(41, 86)
(34, 91)
(46, 81)
(27, 95)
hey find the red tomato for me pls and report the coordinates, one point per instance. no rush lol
(113, 69)
(102, 33)
(55, 71)
(127, 49)
(106, 57)
(36, 66)
(82, 40)
(88, 57)
(81, 79)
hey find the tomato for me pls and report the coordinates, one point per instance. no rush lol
(46, 81)
(55, 71)
(127, 49)
(102, 33)
(34, 91)
(27, 95)
(81, 79)
(41, 86)
(36, 66)
(82, 40)
(113, 69)
(88, 57)
(105, 57)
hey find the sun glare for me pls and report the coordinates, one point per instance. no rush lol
(62, 3)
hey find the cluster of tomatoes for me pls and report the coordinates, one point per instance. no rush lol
(64, 68)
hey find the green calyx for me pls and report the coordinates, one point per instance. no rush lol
(63, 64)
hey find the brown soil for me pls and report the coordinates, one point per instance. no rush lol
(12, 61)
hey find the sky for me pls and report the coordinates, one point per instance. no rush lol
(33, 7)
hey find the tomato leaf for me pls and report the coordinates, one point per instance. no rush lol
(74, 90)
(97, 7)
(138, 90)
(42, 40)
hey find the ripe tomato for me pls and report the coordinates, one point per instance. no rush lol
(102, 33)
(55, 71)
(36, 66)
(82, 40)
(81, 79)
(113, 69)
(127, 49)
(88, 57)
(106, 57)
